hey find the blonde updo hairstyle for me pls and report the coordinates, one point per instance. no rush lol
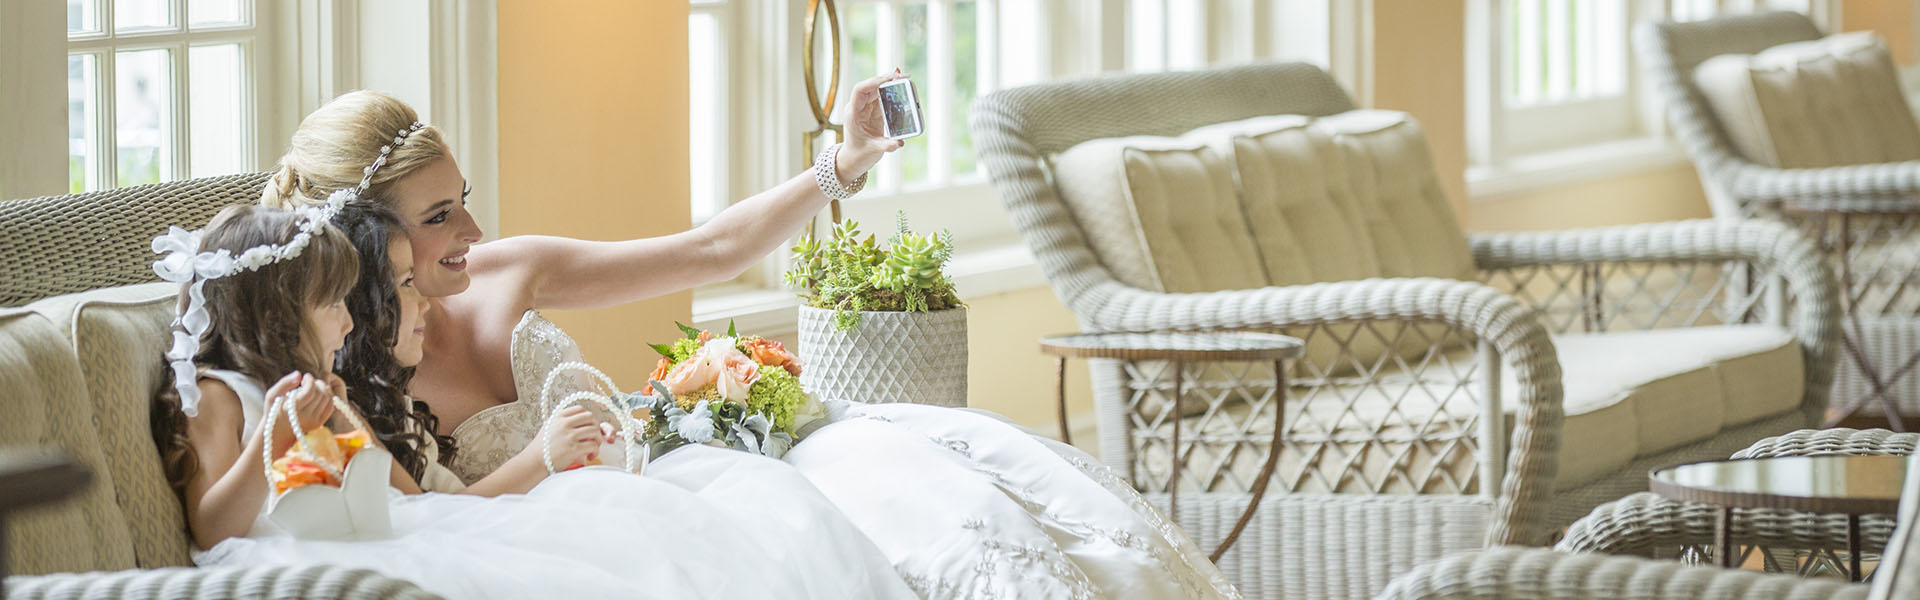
(333, 147)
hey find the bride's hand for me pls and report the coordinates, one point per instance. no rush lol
(576, 438)
(866, 131)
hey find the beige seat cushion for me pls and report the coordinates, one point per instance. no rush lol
(1628, 395)
(1819, 103)
(120, 335)
(46, 408)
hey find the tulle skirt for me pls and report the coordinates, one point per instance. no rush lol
(703, 523)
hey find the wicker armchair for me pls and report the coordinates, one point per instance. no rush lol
(1865, 216)
(1647, 524)
(1465, 451)
(1524, 574)
(67, 360)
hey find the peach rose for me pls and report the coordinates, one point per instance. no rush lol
(704, 337)
(660, 371)
(772, 353)
(737, 374)
(691, 374)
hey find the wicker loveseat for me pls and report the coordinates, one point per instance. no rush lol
(79, 359)
(1458, 390)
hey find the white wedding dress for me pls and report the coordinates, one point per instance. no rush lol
(962, 503)
(702, 523)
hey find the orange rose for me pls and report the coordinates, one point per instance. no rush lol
(771, 353)
(659, 374)
(704, 337)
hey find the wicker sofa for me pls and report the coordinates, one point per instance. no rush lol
(1458, 391)
(79, 359)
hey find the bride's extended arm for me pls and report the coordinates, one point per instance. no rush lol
(561, 273)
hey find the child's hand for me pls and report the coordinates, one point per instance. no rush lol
(576, 438)
(312, 399)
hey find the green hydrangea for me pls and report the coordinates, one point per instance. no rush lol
(777, 396)
(683, 348)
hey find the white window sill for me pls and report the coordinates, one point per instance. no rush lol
(770, 311)
(1544, 170)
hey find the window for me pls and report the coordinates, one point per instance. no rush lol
(159, 90)
(1554, 75)
(748, 107)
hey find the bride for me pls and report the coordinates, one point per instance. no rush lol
(961, 503)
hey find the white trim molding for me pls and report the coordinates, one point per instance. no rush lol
(1573, 165)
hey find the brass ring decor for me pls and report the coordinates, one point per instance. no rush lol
(822, 111)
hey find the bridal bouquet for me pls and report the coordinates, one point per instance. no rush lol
(733, 391)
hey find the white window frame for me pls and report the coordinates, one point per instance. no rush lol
(1518, 148)
(253, 36)
(766, 110)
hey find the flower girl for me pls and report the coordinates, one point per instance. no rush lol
(266, 296)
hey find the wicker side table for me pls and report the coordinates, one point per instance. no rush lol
(1179, 349)
(1850, 485)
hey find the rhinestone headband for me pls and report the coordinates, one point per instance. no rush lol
(183, 262)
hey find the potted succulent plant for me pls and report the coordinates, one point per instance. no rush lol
(880, 324)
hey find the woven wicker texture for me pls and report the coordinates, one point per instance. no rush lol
(1531, 574)
(63, 244)
(314, 581)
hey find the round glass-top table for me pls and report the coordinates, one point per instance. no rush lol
(1180, 348)
(1849, 485)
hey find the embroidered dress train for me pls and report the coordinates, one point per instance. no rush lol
(703, 523)
(962, 504)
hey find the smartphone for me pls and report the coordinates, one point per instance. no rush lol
(901, 109)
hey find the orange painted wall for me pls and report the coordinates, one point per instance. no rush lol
(1892, 19)
(1420, 66)
(593, 131)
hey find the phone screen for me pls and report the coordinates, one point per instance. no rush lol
(900, 108)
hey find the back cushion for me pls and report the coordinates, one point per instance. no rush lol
(46, 407)
(1819, 103)
(119, 335)
(1162, 213)
(1343, 197)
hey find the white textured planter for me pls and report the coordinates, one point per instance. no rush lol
(918, 357)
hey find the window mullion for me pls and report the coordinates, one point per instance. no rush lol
(177, 139)
(107, 140)
(887, 55)
(941, 78)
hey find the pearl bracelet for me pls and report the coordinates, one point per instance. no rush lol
(826, 174)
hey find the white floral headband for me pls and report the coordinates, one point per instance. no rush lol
(183, 262)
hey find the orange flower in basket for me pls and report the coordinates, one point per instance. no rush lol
(350, 444)
(296, 471)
